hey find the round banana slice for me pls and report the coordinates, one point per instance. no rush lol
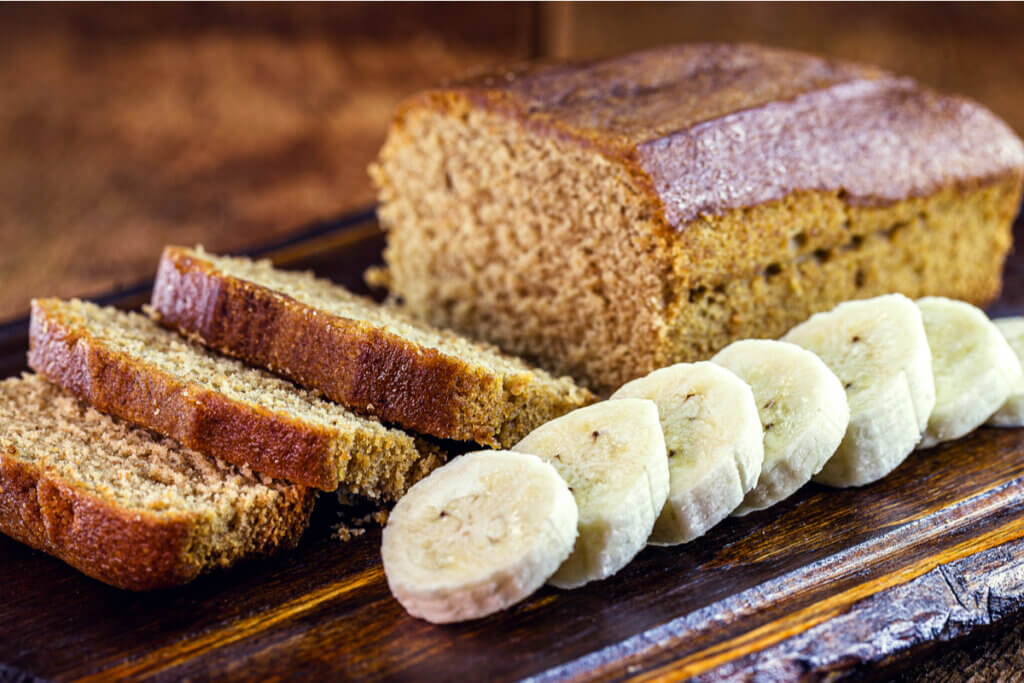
(878, 350)
(714, 441)
(974, 367)
(1011, 414)
(612, 455)
(803, 413)
(478, 535)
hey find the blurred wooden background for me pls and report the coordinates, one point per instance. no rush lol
(126, 127)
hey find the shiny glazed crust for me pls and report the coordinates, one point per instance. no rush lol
(703, 129)
(127, 549)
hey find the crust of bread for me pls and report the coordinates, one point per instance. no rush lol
(353, 362)
(127, 550)
(132, 550)
(195, 416)
(631, 108)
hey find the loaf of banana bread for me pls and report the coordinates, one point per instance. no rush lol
(608, 218)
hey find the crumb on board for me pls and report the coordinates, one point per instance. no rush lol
(351, 527)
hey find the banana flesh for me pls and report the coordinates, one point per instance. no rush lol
(803, 411)
(843, 398)
(879, 351)
(714, 441)
(975, 368)
(478, 535)
(612, 455)
(1011, 414)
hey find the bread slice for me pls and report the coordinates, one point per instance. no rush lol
(368, 357)
(125, 506)
(126, 365)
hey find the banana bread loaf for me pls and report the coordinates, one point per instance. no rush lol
(126, 365)
(124, 506)
(370, 358)
(608, 218)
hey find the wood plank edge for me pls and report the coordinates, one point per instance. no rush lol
(660, 652)
(945, 604)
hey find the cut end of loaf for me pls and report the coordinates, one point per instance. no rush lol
(543, 247)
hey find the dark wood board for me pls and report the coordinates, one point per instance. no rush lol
(828, 582)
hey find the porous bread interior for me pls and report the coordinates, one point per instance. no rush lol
(327, 296)
(371, 459)
(233, 511)
(517, 397)
(523, 240)
(952, 244)
(551, 251)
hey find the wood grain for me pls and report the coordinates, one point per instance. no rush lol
(827, 583)
(941, 605)
(126, 127)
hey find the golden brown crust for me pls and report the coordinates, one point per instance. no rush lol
(353, 362)
(197, 417)
(128, 550)
(619, 103)
(133, 550)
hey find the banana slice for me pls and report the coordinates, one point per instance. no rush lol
(974, 367)
(878, 350)
(612, 455)
(714, 444)
(478, 535)
(1012, 412)
(803, 413)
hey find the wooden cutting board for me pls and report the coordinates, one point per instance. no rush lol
(828, 582)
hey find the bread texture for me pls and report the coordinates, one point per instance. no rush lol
(608, 218)
(126, 365)
(125, 506)
(373, 359)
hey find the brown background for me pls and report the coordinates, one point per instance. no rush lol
(123, 128)
(127, 127)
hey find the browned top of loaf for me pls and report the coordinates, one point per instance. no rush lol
(708, 128)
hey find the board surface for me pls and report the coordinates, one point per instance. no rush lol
(829, 581)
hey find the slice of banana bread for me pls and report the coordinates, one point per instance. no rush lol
(371, 358)
(126, 365)
(608, 218)
(125, 506)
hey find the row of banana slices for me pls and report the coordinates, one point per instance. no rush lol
(842, 399)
